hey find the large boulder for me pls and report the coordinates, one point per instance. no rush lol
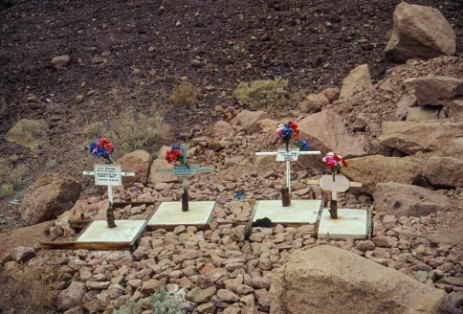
(325, 131)
(419, 32)
(427, 136)
(223, 129)
(248, 119)
(444, 171)
(313, 103)
(358, 80)
(371, 170)
(408, 200)
(137, 161)
(436, 90)
(329, 280)
(48, 197)
(72, 296)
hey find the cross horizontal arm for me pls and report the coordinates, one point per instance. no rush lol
(310, 152)
(351, 184)
(124, 174)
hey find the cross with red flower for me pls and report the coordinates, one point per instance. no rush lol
(334, 163)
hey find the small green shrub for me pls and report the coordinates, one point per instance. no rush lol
(185, 94)
(161, 304)
(27, 132)
(12, 175)
(129, 131)
(262, 94)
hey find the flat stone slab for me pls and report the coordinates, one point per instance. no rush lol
(126, 231)
(171, 214)
(300, 211)
(351, 223)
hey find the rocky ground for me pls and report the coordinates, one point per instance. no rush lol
(135, 52)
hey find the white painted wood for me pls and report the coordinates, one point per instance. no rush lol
(340, 185)
(292, 155)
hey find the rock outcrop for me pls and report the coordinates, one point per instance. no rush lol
(325, 131)
(49, 196)
(351, 283)
(137, 161)
(248, 119)
(358, 80)
(408, 200)
(419, 32)
(427, 136)
(371, 170)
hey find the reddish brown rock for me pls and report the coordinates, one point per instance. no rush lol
(223, 129)
(248, 119)
(403, 199)
(49, 196)
(313, 128)
(352, 283)
(137, 161)
(411, 38)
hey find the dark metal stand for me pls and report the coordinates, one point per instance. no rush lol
(285, 198)
(110, 216)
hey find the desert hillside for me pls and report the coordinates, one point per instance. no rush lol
(221, 76)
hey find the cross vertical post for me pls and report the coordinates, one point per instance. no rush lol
(287, 156)
(109, 175)
(185, 170)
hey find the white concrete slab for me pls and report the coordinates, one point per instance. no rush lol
(126, 231)
(300, 211)
(170, 213)
(351, 223)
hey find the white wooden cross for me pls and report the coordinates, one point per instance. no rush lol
(185, 170)
(288, 156)
(109, 175)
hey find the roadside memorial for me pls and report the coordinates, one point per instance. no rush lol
(287, 210)
(100, 234)
(339, 223)
(186, 212)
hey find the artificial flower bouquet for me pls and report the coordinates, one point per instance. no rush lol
(102, 148)
(289, 131)
(334, 163)
(174, 155)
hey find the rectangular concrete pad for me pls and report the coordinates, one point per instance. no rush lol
(170, 213)
(300, 211)
(126, 231)
(351, 223)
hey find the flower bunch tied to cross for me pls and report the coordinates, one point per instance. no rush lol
(288, 132)
(103, 148)
(175, 155)
(334, 163)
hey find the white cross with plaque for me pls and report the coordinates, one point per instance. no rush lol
(291, 155)
(185, 170)
(109, 175)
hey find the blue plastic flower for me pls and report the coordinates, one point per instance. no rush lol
(303, 145)
(286, 131)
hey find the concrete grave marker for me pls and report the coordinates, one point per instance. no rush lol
(192, 213)
(340, 223)
(288, 211)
